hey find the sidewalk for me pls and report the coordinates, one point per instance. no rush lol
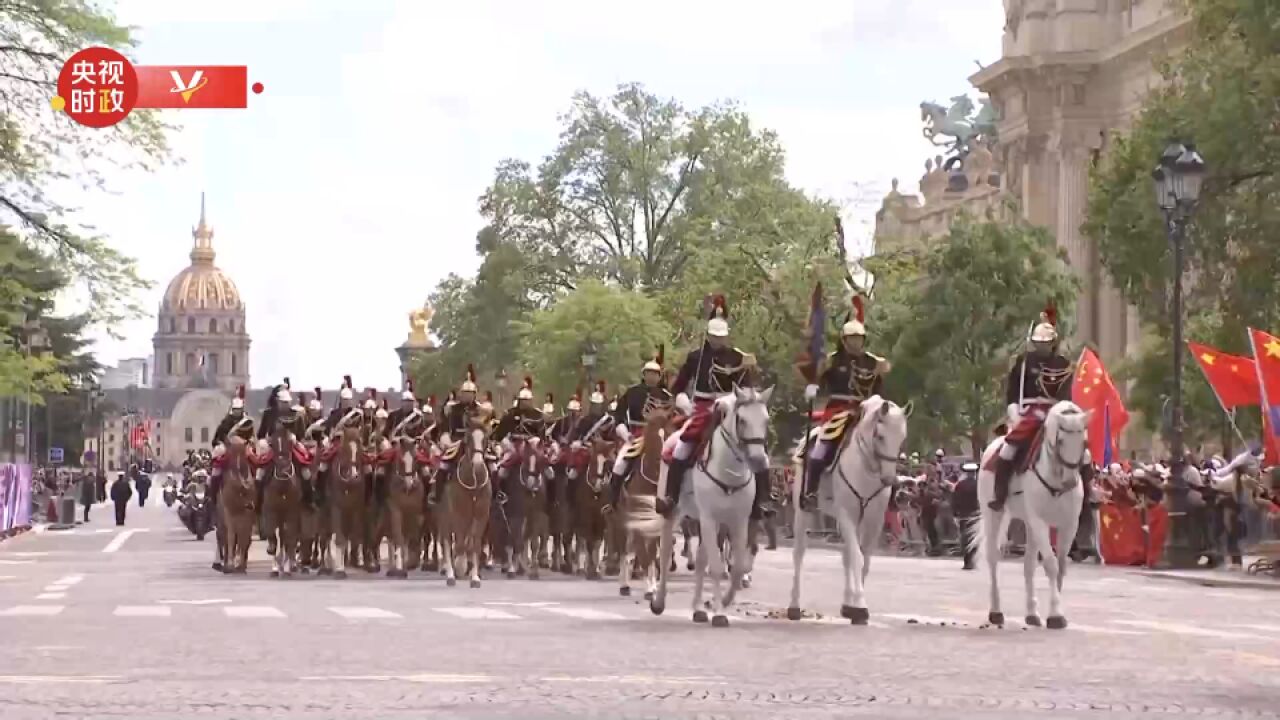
(1217, 577)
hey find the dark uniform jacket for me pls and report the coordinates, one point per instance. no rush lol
(851, 378)
(413, 428)
(634, 406)
(456, 419)
(520, 424)
(708, 373)
(587, 424)
(224, 428)
(563, 429)
(1033, 377)
(335, 416)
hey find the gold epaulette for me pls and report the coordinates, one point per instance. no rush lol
(882, 365)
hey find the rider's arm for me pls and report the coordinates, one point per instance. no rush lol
(1064, 391)
(1013, 385)
(505, 426)
(686, 374)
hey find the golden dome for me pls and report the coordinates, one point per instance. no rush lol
(201, 286)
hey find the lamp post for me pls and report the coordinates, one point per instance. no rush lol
(501, 378)
(588, 357)
(34, 338)
(1178, 179)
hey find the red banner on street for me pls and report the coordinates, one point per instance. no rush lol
(1121, 537)
(193, 86)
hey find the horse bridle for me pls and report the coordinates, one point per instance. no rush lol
(736, 443)
(467, 446)
(872, 461)
(287, 472)
(1054, 448)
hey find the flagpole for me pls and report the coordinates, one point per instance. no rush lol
(1230, 414)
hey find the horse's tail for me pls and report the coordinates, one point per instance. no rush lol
(643, 517)
(977, 525)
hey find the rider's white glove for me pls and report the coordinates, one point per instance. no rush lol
(220, 450)
(623, 432)
(683, 404)
(575, 445)
(1015, 415)
(810, 391)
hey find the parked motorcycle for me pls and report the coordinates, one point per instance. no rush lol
(170, 490)
(195, 509)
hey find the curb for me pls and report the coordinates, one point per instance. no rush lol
(13, 532)
(1214, 582)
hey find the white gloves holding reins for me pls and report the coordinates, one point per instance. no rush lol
(683, 404)
(623, 432)
(810, 392)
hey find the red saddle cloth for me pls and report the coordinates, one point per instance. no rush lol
(1031, 429)
(423, 455)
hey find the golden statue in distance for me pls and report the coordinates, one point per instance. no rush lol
(419, 321)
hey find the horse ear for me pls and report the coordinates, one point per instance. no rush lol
(764, 396)
(909, 408)
(884, 408)
(739, 394)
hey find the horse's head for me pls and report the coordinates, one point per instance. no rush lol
(932, 112)
(880, 434)
(601, 457)
(1066, 433)
(477, 437)
(746, 413)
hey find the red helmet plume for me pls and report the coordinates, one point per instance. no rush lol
(661, 357)
(408, 385)
(719, 307)
(600, 386)
(1050, 314)
(859, 311)
(240, 392)
(528, 382)
(373, 394)
(551, 399)
(317, 392)
(577, 394)
(431, 401)
(471, 372)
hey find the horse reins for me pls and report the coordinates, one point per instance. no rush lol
(735, 442)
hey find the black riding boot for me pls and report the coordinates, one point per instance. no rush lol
(812, 479)
(1004, 475)
(760, 503)
(675, 478)
(308, 492)
(616, 482)
(437, 488)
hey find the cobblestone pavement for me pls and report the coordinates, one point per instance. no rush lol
(95, 623)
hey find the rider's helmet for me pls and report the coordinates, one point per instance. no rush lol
(382, 413)
(237, 402)
(1046, 331)
(718, 324)
(853, 326)
(575, 402)
(283, 398)
(549, 407)
(526, 390)
(655, 363)
(597, 395)
(346, 393)
(469, 385)
(371, 402)
(407, 395)
(315, 405)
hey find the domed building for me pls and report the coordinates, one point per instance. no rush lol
(202, 340)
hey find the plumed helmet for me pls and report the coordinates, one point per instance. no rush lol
(346, 393)
(469, 385)
(487, 402)
(1047, 329)
(382, 413)
(283, 397)
(575, 402)
(526, 390)
(613, 404)
(315, 405)
(655, 363)
(371, 402)
(718, 324)
(549, 407)
(429, 405)
(854, 326)
(597, 395)
(237, 402)
(451, 400)
(408, 391)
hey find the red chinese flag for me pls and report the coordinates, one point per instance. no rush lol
(1092, 389)
(1234, 379)
(193, 86)
(1120, 535)
(1266, 357)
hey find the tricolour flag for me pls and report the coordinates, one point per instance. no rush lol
(1234, 379)
(815, 335)
(1266, 357)
(1093, 390)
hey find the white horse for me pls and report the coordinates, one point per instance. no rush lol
(1048, 495)
(719, 491)
(855, 491)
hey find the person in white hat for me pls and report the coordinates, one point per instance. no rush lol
(458, 409)
(236, 422)
(406, 419)
(520, 426)
(710, 372)
(964, 505)
(629, 420)
(1039, 379)
(346, 410)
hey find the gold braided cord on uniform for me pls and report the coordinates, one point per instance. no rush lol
(652, 402)
(1053, 378)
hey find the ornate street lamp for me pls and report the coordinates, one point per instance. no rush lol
(1178, 179)
(500, 378)
(588, 356)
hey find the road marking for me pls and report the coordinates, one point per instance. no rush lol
(17, 562)
(477, 613)
(67, 581)
(365, 613)
(1263, 628)
(635, 679)
(51, 596)
(522, 604)
(53, 679)
(119, 540)
(143, 611)
(210, 601)
(30, 554)
(8, 577)
(418, 678)
(583, 613)
(30, 610)
(252, 611)
(101, 531)
(1181, 629)
(1097, 630)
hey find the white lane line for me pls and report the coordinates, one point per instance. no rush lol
(17, 562)
(119, 540)
(522, 604)
(209, 601)
(365, 613)
(31, 610)
(1181, 629)
(57, 679)
(31, 554)
(252, 611)
(102, 531)
(1098, 630)
(52, 596)
(143, 611)
(1263, 628)
(8, 577)
(67, 581)
(418, 678)
(583, 613)
(477, 613)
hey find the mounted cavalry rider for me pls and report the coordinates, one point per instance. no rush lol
(851, 375)
(276, 411)
(629, 420)
(521, 425)
(406, 419)
(711, 372)
(235, 423)
(315, 419)
(561, 435)
(596, 420)
(345, 408)
(454, 431)
(1038, 380)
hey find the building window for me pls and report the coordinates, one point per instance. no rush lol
(204, 434)
(213, 326)
(111, 438)
(213, 363)
(173, 325)
(111, 465)
(191, 363)
(168, 363)
(191, 325)
(186, 434)
(231, 325)
(234, 369)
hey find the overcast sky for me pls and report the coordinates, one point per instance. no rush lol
(348, 189)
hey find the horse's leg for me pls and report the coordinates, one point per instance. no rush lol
(1064, 547)
(1029, 578)
(854, 606)
(699, 580)
(626, 564)
(1055, 568)
(992, 522)
(800, 543)
(742, 559)
(289, 531)
(666, 548)
(395, 536)
(444, 528)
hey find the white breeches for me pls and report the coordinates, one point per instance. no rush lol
(620, 465)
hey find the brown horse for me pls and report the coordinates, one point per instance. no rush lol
(469, 499)
(236, 503)
(591, 495)
(282, 501)
(346, 502)
(537, 527)
(405, 501)
(311, 545)
(640, 552)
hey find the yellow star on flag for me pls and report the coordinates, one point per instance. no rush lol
(1273, 348)
(1208, 359)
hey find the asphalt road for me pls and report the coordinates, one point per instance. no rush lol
(99, 623)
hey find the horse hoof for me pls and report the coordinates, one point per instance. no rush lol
(648, 596)
(689, 566)
(996, 618)
(746, 582)
(275, 573)
(533, 576)
(720, 621)
(306, 570)
(624, 591)
(566, 568)
(511, 575)
(451, 582)
(1033, 621)
(340, 575)
(228, 570)
(794, 613)
(475, 584)
(656, 608)
(217, 566)
(325, 571)
(1057, 622)
(699, 616)
(855, 615)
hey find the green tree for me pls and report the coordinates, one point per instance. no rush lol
(43, 152)
(625, 326)
(28, 284)
(976, 290)
(1222, 93)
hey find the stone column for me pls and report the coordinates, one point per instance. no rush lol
(1073, 193)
